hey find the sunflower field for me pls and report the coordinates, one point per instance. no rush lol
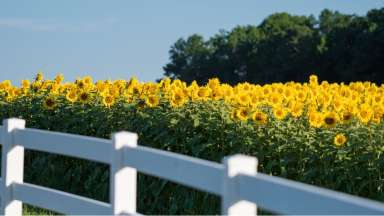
(325, 134)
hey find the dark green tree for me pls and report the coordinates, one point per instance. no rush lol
(288, 50)
(285, 47)
(190, 59)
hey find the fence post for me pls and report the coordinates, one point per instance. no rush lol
(123, 179)
(12, 166)
(231, 203)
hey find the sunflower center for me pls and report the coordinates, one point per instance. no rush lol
(49, 102)
(347, 117)
(363, 113)
(244, 113)
(108, 99)
(84, 96)
(329, 120)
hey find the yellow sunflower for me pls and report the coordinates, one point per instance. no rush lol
(152, 101)
(279, 113)
(365, 113)
(25, 83)
(71, 96)
(49, 103)
(260, 117)
(177, 99)
(242, 113)
(340, 139)
(296, 110)
(243, 99)
(275, 99)
(315, 119)
(108, 100)
(39, 76)
(84, 97)
(376, 118)
(313, 80)
(203, 93)
(330, 119)
(346, 117)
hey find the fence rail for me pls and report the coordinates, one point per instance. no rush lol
(201, 174)
(89, 148)
(235, 179)
(65, 203)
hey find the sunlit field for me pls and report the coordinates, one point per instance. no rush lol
(326, 134)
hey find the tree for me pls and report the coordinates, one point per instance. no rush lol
(189, 59)
(285, 47)
(288, 51)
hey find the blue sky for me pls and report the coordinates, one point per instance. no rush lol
(123, 38)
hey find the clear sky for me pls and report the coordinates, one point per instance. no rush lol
(118, 39)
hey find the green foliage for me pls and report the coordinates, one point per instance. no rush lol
(32, 210)
(284, 47)
(290, 149)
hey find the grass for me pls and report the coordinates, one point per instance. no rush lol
(32, 210)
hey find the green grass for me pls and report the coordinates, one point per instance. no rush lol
(32, 210)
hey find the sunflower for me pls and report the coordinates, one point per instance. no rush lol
(71, 96)
(101, 87)
(59, 78)
(365, 113)
(213, 83)
(177, 83)
(136, 90)
(81, 84)
(11, 92)
(152, 100)
(296, 110)
(217, 93)
(177, 99)
(243, 99)
(338, 104)
(315, 119)
(25, 83)
(376, 118)
(9, 95)
(88, 80)
(84, 97)
(346, 117)
(330, 119)
(313, 79)
(260, 117)
(376, 99)
(6, 84)
(279, 113)
(227, 92)
(266, 90)
(108, 100)
(203, 93)
(301, 96)
(275, 99)
(242, 113)
(377, 114)
(340, 139)
(39, 76)
(132, 82)
(288, 93)
(49, 103)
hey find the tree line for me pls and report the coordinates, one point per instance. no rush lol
(283, 47)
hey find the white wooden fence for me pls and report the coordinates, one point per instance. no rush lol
(235, 180)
